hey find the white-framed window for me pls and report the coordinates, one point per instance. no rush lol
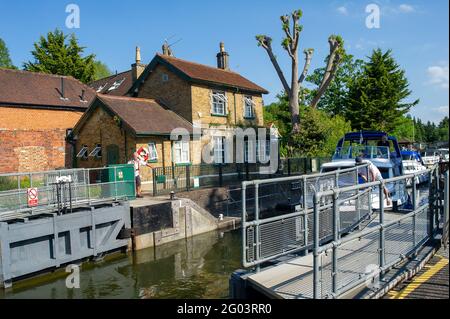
(116, 85)
(180, 152)
(152, 152)
(249, 151)
(83, 153)
(249, 111)
(219, 149)
(263, 149)
(218, 103)
(97, 151)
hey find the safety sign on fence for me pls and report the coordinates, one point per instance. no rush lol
(32, 197)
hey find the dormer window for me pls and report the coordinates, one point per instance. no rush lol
(218, 103)
(116, 85)
(249, 107)
(101, 87)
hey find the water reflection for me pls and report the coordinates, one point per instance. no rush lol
(195, 268)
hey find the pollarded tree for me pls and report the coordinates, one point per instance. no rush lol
(53, 55)
(292, 29)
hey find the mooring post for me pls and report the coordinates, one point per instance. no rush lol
(316, 266)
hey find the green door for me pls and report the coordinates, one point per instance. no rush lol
(112, 156)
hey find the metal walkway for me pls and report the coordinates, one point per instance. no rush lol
(343, 255)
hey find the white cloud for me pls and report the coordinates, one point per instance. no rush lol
(438, 75)
(443, 110)
(406, 8)
(342, 10)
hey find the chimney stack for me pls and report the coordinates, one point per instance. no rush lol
(137, 68)
(222, 58)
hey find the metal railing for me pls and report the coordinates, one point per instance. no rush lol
(273, 227)
(188, 177)
(348, 262)
(83, 187)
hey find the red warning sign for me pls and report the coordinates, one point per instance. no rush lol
(32, 197)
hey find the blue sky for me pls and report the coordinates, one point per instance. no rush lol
(416, 31)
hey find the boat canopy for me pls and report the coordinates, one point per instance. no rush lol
(363, 137)
(411, 155)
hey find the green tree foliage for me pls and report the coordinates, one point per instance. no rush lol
(443, 130)
(335, 98)
(101, 70)
(5, 60)
(404, 129)
(55, 55)
(318, 134)
(375, 97)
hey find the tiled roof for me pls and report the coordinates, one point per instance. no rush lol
(204, 74)
(144, 116)
(106, 85)
(23, 88)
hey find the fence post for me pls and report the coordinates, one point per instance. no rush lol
(414, 205)
(382, 243)
(445, 230)
(244, 229)
(336, 230)
(155, 186)
(431, 196)
(437, 198)
(316, 270)
(220, 175)
(289, 166)
(188, 177)
(257, 225)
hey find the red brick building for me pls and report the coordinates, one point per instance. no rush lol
(36, 112)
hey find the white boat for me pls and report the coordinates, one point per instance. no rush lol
(430, 157)
(412, 163)
(387, 159)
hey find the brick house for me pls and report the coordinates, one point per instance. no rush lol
(217, 97)
(114, 127)
(36, 112)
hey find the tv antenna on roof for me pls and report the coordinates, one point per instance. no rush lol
(167, 48)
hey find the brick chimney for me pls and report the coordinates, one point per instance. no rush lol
(137, 68)
(222, 58)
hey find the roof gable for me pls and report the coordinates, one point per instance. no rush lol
(142, 117)
(200, 74)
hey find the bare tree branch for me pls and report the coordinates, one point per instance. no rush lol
(266, 43)
(308, 57)
(324, 86)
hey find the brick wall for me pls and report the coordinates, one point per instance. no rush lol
(33, 150)
(34, 139)
(175, 92)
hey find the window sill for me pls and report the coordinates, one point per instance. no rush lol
(153, 161)
(219, 115)
(249, 118)
(183, 164)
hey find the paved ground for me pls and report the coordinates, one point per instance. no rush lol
(432, 282)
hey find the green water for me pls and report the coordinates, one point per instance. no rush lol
(195, 268)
